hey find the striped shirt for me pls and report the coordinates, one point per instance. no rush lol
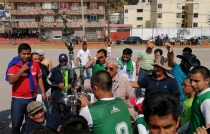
(146, 60)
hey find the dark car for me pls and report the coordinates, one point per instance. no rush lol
(130, 40)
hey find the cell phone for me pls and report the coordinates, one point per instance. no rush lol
(208, 130)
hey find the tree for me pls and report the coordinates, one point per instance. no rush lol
(1, 7)
(183, 32)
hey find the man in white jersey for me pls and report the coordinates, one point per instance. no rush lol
(106, 107)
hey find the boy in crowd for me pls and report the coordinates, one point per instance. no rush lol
(187, 103)
(140, 125)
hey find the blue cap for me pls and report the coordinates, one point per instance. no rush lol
(63, 57)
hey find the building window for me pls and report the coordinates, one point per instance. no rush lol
(179, 5)
(196, 5)
(139, 26)
(178, 15)
(159, 15)
(159, 5)
(139, 10)
(75, 5)
(125, 19)
(126, 10)
(159, 25)
(178, 25)
(93, 5)
(65, 5)
(195, 24)
(195, 15)
(46, 6)
(37, 5)
(75, 18)
(93, 18)
(54, 5)
(139, 18)
(48, 19)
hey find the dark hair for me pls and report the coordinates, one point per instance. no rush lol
(74, 124)
(23, 46)
(158, 50)
(187, 50)
(44, 130)
(202, 70)
(160, 104)
(102, 79)
(34, 53)
(84, 43)
(127, 51)
(103, 51)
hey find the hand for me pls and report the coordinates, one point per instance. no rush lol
(98, 55)
(201, 130)
(60, 85)
(59, 128)
(169, 47)
(137, 73)
(43, 96)
(25, 67)
(84, 100)
(69, 86)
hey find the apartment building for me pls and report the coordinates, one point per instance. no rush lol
(137, 15)
(48, 21)
(179, 13)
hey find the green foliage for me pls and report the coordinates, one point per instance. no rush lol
(1, 7)
(132, 2)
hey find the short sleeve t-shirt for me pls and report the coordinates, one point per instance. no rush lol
(84, 56)
(146, 60)
(21, 88)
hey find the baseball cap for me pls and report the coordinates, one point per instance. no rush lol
(40, 52)
(34, 106)
(137, 102)
(63, 57)
(149, 45)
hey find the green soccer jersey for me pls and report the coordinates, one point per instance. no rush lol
(200, 111)
(110, 116)
(143, 128)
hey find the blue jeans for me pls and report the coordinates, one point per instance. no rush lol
(18, 111)
(87, 72)
(142, 74)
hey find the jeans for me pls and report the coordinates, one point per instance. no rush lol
(18, 110)
(87, 72)
(142, 74)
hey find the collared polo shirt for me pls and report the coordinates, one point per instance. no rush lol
(146, 60)
(152, 85)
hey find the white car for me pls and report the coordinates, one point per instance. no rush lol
(57, 37)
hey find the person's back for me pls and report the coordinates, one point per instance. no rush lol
(113, 109)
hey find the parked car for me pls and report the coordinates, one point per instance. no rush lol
(131, 40)
(57, 37)
(119, 41)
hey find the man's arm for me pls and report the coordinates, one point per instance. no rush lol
(134, 84)
(85, 112)
(90, 63)
(77, 61)
(137, 65)
(205, 109)
(129, 93)
(170, 55)
(13, 78)
(50, 65)
(41, 85)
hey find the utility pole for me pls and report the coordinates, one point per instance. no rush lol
(107, 17)
(83, 25)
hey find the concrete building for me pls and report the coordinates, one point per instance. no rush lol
(179, 13)
(137, 15)
(48, 21)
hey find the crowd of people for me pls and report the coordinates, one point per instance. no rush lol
(167, 98)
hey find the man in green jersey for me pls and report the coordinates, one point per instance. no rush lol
(200, 116)
(108, 115)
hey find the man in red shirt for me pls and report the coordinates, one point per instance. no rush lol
(24, 74)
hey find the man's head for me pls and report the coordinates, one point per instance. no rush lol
(101, 83)
(199, 77)
(161, 67)
(187, 50)
(84, 46)
(44, 130)
(35, 56)
(24, 52)
(112, 67)
(187, 61)
(137, 103)
(149, 47)
(161, 113)
(63, 59)
(158, 52)
(102, 59)
(35, 111)
(127, 53)
(41, 53)
(74, 124)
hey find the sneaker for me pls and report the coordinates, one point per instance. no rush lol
(1, 126)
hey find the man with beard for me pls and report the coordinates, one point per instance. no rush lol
(180, 71)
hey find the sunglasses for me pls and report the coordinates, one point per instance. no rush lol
(37, 112)
(63, 60)
(109, 68)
